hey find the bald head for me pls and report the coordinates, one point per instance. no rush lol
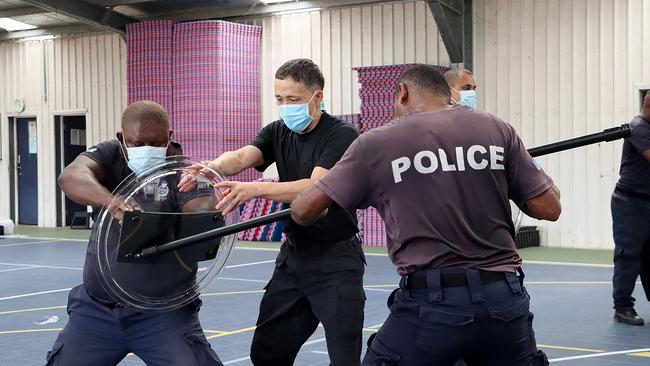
(145, 123)
(459, 79)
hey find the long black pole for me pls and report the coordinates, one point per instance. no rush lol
(216, 233)
(609, 134)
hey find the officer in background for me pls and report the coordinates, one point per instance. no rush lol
(100, 331)
(319, 271)
(441, 179)
(630, 217)
(463, 87)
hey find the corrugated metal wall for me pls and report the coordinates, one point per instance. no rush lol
(340, 39)
(83, 75)
(557, 69)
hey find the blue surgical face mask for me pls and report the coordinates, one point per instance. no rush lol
(468, 98)
(142, 158)
(296, 116)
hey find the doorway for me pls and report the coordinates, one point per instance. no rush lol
(70, 142)
(25, 168)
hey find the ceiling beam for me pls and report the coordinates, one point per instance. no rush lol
(21, 11)
(103, 18)
(118, 2)
(453, 19)
(256, 11)
(71, 29)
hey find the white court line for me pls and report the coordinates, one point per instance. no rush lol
(549, 263)
(241, 279)
(35, 294)
(319, 340)
(380, 289)
(599, 355)
(570, 264)
(48, 238)
(250, 264)
(237, 360)
(17, 269)
(28, 243)
(320, 352)
(40, 266)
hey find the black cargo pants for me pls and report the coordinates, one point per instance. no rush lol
(312, 284)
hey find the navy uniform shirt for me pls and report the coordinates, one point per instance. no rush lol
(296, 156)
(157, 196)
(442, 182)
(635, 169)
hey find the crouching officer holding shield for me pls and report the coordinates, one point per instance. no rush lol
(100, 330)
(441, 179)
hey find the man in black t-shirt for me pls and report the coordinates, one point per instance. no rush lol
(101, 331)
(319, 271)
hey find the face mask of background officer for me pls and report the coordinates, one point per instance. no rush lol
(298, 106)
(462, 87)
(458, 266)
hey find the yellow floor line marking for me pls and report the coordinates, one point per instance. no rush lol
(570, 348)
(214, 331)
(371, 330)
(243, 330)
(28, 310)
(30, 330)
(640, 354)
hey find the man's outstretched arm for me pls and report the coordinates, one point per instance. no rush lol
(310, 205)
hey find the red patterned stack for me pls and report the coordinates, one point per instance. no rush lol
(207, 76)
(377, 94)
(150, 62)
(216, 88)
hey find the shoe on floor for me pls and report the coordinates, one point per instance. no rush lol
(628, 316)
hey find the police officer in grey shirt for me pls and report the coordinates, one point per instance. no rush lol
(441, 178)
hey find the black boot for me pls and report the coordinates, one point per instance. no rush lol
(628, 316)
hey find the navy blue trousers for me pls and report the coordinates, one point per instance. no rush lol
(484, 324)
(631, 226)
(100, 335)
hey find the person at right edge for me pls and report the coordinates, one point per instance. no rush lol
(630, 215)
(441, 178)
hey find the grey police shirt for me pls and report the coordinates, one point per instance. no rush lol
(442, 183)
(635, 169)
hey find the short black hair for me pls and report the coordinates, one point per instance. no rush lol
(427, 78)
(302, 70)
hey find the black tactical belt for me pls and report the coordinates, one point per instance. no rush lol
(419, 281)
(627, 193)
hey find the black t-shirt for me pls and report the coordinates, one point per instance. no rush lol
(296, 156)
(635, 169)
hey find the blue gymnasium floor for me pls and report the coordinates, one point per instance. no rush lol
(572, 305)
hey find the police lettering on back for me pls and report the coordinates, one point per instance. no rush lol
(477, 157)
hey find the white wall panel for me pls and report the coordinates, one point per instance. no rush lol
(557, 69)
(86, 74)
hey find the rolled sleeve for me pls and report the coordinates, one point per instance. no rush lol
(347, 183)
(526, 179)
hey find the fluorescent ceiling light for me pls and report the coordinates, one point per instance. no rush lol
(14, 25)
(297, 11)
(267, 2)
(38, 38)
